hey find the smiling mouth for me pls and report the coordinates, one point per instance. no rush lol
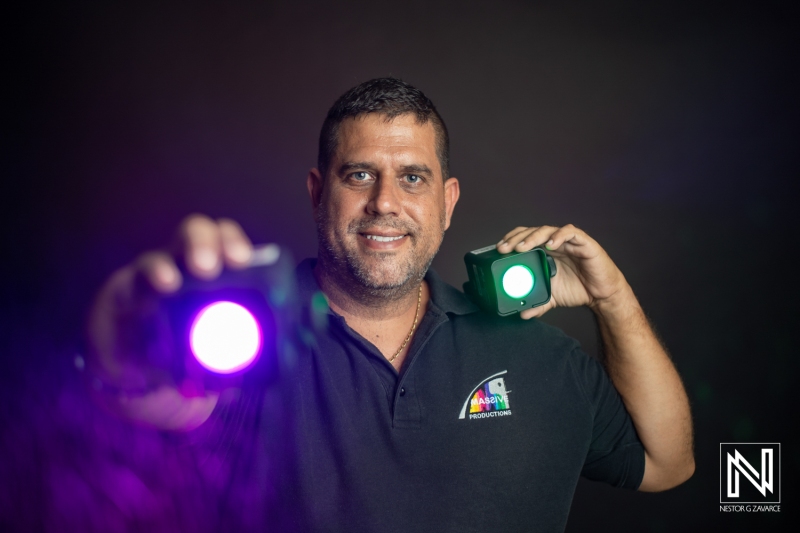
(381, 238)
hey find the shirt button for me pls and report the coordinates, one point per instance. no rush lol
(402, 391)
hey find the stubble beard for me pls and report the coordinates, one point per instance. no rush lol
(394, 277)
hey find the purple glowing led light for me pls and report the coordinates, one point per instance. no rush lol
(225, 337)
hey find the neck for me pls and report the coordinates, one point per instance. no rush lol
(388, 322)
(351, 300)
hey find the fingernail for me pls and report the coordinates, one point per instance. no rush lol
(239, 253)
(165, 275)
(205, 259)
(501, 243)
(549, 244)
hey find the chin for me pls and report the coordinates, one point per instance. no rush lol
(379, 277)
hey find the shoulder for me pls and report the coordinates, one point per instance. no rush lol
(515, 334)
(469, 324)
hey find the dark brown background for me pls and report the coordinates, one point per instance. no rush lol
(668, 132)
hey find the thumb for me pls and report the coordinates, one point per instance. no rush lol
(537, 311)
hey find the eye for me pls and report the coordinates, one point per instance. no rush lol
(360, 176)
(413, 178)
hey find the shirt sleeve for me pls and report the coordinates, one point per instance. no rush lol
(615, 455)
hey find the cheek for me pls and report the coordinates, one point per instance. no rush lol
(431, 218)
(436, 215)
(345, 205)
(340, 212)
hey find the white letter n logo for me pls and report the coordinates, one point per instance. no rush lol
(740, 462)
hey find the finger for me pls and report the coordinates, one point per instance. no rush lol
(512, 238)
(200, 244)
(236, 246)
(535, 237)
(527, 240)
(568, 234)
(537, 311)
(511, 233)
(160, 271)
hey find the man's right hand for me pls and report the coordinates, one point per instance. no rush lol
(124, 330)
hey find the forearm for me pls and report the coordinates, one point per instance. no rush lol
(651, 389)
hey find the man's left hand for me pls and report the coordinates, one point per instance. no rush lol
(586, 274)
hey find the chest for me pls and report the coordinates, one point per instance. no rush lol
(458, 401)
(494, 432)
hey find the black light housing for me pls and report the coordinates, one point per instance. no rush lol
(508, 283)
(210, 320)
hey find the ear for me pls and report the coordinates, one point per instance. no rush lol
(452, 191)
(314, 184)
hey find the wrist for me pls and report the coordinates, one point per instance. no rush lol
(619, 306)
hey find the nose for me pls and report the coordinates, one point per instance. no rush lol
(384, 198)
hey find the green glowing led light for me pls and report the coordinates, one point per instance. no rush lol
(518, 281)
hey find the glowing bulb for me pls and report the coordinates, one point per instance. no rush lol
(225, 337)
(518, 281)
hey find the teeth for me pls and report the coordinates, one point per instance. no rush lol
(384, 239)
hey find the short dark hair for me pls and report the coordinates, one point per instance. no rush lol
(386, 96)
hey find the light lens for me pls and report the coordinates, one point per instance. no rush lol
(225, 337)
(518, 281)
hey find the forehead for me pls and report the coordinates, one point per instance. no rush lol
(394, 142)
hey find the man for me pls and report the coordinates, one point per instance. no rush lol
(382, 439)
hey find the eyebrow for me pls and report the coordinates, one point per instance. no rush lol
(417, 169)
(350, 166)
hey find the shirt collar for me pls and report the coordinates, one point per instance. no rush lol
(446, 297)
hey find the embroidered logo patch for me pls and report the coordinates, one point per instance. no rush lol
(489, 399)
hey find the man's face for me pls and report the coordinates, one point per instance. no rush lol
(383, 208)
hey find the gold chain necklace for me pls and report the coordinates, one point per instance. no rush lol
(413, 326)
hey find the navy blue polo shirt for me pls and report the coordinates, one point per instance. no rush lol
(487, 427)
